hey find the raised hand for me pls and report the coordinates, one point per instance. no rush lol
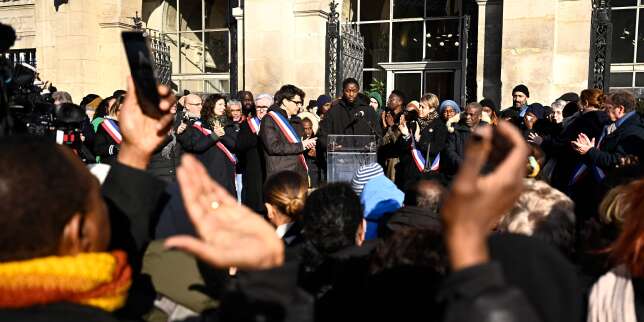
(230, 235)
(476, 202)
(535, 138)
(583, 144)
(142, 134)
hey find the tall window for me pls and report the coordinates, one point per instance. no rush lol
(627, 56)
(406, 31)
(197, 31)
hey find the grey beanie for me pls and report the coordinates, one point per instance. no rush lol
(364, 174)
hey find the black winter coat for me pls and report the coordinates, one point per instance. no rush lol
(560, 148)
(57, 312)
(279, 154)
(251, 159)
(219, 166)
(165, 160)
(628, 139)
(434, 137)
(105, 147)
(455, 149)
(341, 119)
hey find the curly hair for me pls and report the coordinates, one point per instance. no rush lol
(288, 92)
(208, 109)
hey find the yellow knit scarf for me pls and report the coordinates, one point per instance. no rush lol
(96, 279)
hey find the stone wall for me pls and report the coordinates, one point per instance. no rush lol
(545, 46)
(20, 14)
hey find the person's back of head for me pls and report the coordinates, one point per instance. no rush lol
(333, 218)
(285, 195)
(61, 97)
(41, 198)
(425, 194)
(628, 248)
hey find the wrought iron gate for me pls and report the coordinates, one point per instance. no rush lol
(344, 52)
(600, 46)
(161, 54)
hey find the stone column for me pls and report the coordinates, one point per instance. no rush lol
(238, 13)
(310, 34)
(488, 70)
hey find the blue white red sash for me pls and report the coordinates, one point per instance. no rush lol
(420, 161)
(254, 124)
(220, 146)
(113, 130)
(289, 132)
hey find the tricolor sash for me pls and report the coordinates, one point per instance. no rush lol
(197, 125)
(254, 123)
(113, 130)
(420, 161)
(289, 132)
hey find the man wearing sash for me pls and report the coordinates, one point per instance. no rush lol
(214, 151)
(281, 133)
(250, 154)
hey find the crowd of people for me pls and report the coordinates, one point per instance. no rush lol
(220, 210)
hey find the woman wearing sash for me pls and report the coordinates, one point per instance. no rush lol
(212, 140)
(108, 134)
(251, 156)
(281, 133)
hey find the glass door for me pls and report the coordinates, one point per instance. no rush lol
(442, 83)
(410, 83)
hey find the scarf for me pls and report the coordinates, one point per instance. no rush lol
(427, 120)
(612, 298)
(96, 279)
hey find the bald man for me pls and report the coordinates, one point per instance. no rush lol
(192, 103)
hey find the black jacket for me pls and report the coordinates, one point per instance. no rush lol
(454, 152)
(560, 148)
(627, 139)
(342, 119)
(219, 166)
(279, 154)
(434, 137)
(104, 145)
(251, 159)
(57, 312)
(166, 159)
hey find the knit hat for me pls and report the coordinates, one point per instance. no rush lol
(569, 97)
(489, 103)
(364, 174)
(323, 99)
(536, 109)
(521, 88)
(377, 97)
(449, 103)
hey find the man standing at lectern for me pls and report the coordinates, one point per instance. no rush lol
(350, 115)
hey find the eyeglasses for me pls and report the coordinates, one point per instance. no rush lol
(298, 103)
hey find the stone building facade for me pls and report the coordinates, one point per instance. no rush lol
(228, 45)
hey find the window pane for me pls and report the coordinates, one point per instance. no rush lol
(409, 84)
(216, 13)
(217, 52)
(623, 3)
(193, 85)
(409, 8)
(407, 41)
(623, 35)
(442, 8)
(190, 15)
(170, 21)
(217, 86)
(374, 9)
(441, 84)
(191, 59)
(639, 79)
(173, 43)
(374, 77)
(640, 41)
(350, 11)
(621, 79)
(376, 42)
(443, 41)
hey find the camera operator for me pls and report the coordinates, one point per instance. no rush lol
(423, 137)
(72, 129)
(108, 136)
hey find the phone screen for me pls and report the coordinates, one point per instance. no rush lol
(142, 70)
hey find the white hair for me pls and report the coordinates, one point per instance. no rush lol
(264, 96)
(558, 104)
(233, 103)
